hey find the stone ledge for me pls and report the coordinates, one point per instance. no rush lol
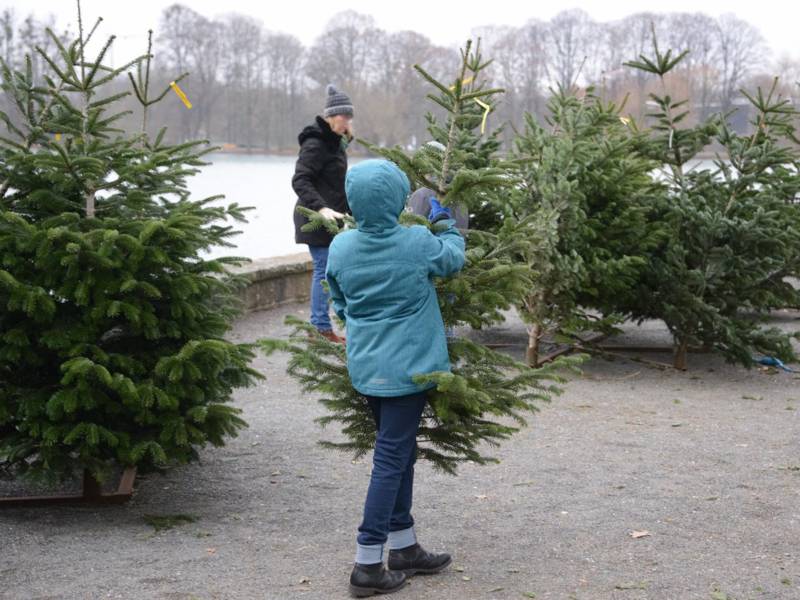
(276, 280)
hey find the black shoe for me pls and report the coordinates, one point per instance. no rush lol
(415, 559)
(366, 580)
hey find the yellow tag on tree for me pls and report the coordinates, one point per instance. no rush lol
(486, 111)
(467, 81)
(176, 88)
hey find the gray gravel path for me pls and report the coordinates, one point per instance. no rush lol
(706, 462)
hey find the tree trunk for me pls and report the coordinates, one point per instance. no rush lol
(681, 350)
(532, 353)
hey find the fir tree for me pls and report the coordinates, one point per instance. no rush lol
(589, 191)
(733, 237)
(488, 395)
(111, 321)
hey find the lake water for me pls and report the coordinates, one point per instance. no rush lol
(264, 182)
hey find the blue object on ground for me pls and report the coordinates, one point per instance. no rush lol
(771, 361)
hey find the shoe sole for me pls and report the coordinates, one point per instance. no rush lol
(410, 572)
(363, 592)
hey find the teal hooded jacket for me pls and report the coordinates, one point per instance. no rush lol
(380, 277)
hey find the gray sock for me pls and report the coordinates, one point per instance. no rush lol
(369, 555)
(402, 539)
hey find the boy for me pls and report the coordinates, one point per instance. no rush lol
(380, 277)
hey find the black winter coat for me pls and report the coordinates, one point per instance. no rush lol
(319, 178)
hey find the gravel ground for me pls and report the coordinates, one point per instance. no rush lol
(706, 462)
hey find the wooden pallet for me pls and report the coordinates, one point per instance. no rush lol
(91, 493)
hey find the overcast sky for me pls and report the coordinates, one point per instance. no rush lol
(445, 24)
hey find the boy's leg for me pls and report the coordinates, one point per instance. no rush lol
(320, 316)
(395, 446)
(405, 554)
(397, 421)
(401, 524)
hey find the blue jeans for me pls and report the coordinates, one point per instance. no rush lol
(388, 504)
(320, 317)
(449, 330)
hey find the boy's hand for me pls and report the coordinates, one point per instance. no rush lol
(438, 212)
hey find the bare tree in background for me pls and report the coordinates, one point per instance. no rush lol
(501, 44)
(187, 41)
(32, 34)
(571, 36)
(205, 55)
(18, 39)
(174, 51)
(741, 49)
(345, 53)
(520, 67)
(285, 88)
(532, 74)
(691, 31)
(399, 92)
(614, 78)
(243, 62)
(257, 88)
(788, 70)
(7, 30)
(626, 38)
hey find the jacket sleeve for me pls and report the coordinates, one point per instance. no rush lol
(444, 251)
(337, 298)
(306, 172)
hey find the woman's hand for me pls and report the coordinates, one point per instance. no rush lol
(330, 214)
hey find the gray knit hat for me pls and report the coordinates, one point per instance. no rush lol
(337, 103)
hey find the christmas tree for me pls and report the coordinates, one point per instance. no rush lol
(488, 394)
(733, 241)
(111, 321)
(589, 191)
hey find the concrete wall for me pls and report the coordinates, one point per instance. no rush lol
(278, 280)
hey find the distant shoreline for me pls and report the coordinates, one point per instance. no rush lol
(229, 149)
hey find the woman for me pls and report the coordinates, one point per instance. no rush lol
(380, 277)
(319, 184)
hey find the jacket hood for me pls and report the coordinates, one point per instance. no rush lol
(319, 129)
(376, 192)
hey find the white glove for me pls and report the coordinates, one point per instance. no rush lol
(330, 214)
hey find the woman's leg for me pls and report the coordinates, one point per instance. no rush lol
(450, 331)
(320, 316)
(395, 446)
